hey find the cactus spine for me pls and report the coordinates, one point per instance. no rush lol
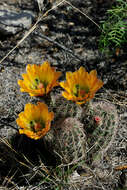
(100, 125)
(99, 121)
(70, 140)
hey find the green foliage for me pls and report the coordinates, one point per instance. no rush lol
(114, 29)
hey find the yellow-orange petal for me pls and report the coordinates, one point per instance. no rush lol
(81, 86)
(39, 79)
(35, 121)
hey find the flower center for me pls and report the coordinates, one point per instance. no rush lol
(35, 83)
(36, 126)
(38, 84)
(45, 84)
(80, 91)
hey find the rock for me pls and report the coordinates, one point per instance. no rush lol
(40, 4)
(3, 188)
(13, 21)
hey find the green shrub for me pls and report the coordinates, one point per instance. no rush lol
(114, 29)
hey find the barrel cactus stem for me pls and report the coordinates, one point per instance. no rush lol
(70, 140)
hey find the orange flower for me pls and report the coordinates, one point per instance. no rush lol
(39, 79)
(80, 85)
(35, 120)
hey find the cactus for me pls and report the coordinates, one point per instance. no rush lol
(100, 123)
(81, 135)
(69, 140)
(63, 108)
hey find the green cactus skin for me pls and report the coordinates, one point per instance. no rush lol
(70, 140)
(100, 135)
(64, 108)
(77, 138)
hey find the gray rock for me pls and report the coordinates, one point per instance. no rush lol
(3, 188)
(40, 4)
(13, 21)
